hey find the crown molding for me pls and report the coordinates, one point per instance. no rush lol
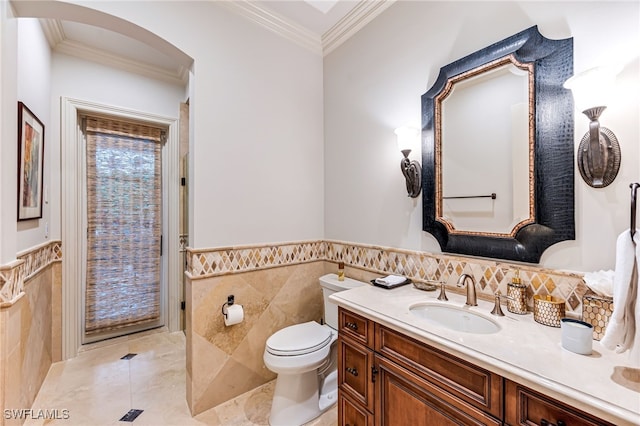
(354, 21)
(275, 23)
(56, 37)
(53, 31)
(363, 13)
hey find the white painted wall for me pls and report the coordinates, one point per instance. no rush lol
(373, 84)
(34, 90)
(256, 156)
(89, 81)
(256, 149)
(8, 133)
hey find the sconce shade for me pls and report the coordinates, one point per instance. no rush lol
(411, 169)
(407, 138)
(593, 87)
(599, 152)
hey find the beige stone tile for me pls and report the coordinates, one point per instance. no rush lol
(208, 322)
(13, 380)
(300, 298)
(268, 281)
(328, 418)
(97, 388)
(233, 380)
(56, 312)
(207, 362)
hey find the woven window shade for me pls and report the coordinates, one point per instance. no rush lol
(124, 198)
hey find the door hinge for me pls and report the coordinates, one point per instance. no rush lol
(161, 245)
(374, 372)
(183, 305)
(183, 181)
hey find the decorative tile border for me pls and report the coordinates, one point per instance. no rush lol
(490, 276)
(11, 283)
(27, 265)
(40, 257)
(211, 262)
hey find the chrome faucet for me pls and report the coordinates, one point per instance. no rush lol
(471, 289)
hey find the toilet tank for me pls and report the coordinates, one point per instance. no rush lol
(330, 285)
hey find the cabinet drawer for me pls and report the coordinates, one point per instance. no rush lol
(351, 414)
(406, 399)
(356, 327)
(526, 407)
(477, 386)
(354, 373)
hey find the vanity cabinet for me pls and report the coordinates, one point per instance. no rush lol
(388, 378)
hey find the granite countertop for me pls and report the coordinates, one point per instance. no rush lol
(604, 383)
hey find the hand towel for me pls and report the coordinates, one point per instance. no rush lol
(391, 279)
(601, 282)
(622, 331)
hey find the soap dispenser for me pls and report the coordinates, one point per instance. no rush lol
(517, 295)
(341, 271)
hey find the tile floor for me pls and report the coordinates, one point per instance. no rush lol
(98, 388)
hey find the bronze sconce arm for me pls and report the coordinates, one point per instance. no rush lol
(411, 170)
(407, 138)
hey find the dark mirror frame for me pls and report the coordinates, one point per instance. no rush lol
(553, 166)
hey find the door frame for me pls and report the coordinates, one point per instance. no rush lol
(72, 214)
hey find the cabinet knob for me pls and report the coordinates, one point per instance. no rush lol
(352, 370)
(351, 325)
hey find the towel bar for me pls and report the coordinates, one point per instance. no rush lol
(493, 196)
(634, 192)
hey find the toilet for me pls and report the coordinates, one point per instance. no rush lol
(305, 359)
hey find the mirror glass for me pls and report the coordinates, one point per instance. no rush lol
(497, 126)
(484, 181)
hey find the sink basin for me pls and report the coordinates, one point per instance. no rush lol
(454, 318)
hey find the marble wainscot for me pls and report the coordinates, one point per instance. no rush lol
(601, 384)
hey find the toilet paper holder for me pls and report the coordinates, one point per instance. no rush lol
(230, 301)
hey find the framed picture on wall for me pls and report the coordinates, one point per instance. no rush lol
(30, 164)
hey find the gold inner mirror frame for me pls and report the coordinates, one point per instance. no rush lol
(440, 98)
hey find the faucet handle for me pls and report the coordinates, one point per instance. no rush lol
(443, 294)
(497, 309)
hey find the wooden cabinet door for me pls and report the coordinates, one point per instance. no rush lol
(403, 398)
(355, 364)
(352, 414)
(460, 379)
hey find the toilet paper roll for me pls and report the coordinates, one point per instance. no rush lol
(235, 315)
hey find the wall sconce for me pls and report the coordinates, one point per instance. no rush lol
(411, 169)
(599, 151)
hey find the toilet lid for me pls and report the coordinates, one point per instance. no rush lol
(299, 339)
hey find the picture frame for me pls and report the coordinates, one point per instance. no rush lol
(30, 164)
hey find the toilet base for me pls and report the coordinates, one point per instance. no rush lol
(329, 392)
(295, 399)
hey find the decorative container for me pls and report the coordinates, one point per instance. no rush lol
(517, 298)
(548, 310)
(426, 286)
(597, 310)
(577, 336)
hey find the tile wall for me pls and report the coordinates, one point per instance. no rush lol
(30, 324)
(224, 362)
(278, 286)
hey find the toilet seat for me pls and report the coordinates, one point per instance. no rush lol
(299, 339)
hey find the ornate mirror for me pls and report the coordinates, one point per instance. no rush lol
(498, 150)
